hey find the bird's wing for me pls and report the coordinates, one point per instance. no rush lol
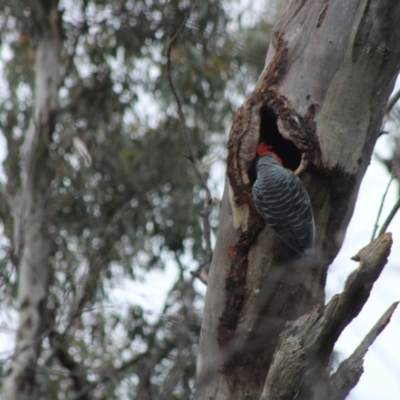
(281, 198)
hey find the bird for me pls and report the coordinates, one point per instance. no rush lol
(283, 202)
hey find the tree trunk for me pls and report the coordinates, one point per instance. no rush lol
(320, 102)
(31, 212)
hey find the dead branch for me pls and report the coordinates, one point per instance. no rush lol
(305, 346)
(349, 371)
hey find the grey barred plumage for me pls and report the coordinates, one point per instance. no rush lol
(281, 199)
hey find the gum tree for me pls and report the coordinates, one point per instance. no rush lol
(319, 102)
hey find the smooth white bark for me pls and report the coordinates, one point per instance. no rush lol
(32, 212)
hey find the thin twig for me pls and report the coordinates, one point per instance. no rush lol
(390, 217)
(191, 157)
(380, 209)
(392, 101)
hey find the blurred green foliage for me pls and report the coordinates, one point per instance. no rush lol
(138, 205)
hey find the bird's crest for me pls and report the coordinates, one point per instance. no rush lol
(264, 148)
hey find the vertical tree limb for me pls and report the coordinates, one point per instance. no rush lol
(32, 217)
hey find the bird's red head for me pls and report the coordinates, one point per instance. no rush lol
(264, 148)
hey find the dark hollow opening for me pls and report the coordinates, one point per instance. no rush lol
(269, 134)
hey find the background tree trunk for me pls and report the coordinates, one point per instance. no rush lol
(320, 101)
(32, 211)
